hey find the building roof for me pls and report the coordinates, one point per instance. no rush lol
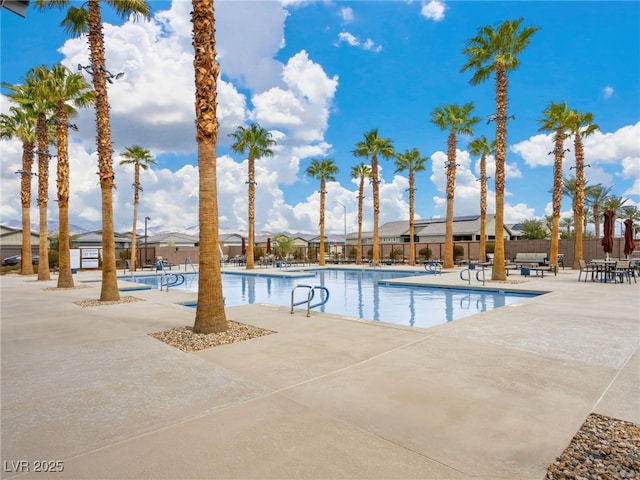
(176, 237)
(393, 229)
(464, 225)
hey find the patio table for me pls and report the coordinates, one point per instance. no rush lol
(604, 270)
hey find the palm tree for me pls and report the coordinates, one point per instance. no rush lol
(595, 198)
(481, 146)
(567, 223)
(372, 146)
(456, 120)
(256, 142)
(533, 229)
(556, 118)
(140, 158)
(497, 50)
(21, 124)
(632, 212)
(68, 91)
(569, 189)
(323, 170)
(210, 314)
(360, 171)
(413, 162)
(615, 203)
(78, 21)
(580, 125)
(36, 95)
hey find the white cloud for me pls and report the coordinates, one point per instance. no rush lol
(607, 92)
(599, 148)
(434, 10)
(353, 41)
(346, 13)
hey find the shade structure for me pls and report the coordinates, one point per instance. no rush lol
(269, 246)
(629, 244)
(244, 247)
(607, 239)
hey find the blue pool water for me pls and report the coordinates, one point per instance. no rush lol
(359, 293)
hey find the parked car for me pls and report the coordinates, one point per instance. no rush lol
(15, 259)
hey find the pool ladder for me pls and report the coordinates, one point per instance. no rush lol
(468, 272)
(171, 280)
(433, 267)
(324, 291)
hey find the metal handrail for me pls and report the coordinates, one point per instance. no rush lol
(467, 271)
(433, 267)
(179, 280)
(187, 261)
(310, 295)
(127, 266)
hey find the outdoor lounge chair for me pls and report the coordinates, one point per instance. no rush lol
(586, 269)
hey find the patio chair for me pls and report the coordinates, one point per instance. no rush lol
(623, 270)
(586, 269)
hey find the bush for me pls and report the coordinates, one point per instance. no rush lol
(458, 252)
(396, 254)
(425, 253)
(490, 248)
(53, 258)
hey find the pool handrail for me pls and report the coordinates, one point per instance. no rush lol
(434, 267)
(310, 296)
(179, 280)
(187, 261)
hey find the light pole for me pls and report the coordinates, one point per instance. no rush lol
(344, 207)
(146, 260)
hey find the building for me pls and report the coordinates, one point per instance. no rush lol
(432, 230)
(11, 241)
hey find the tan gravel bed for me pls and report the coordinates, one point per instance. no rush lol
(76, 287)
(603, 448)
(99, 303)
(183, 338)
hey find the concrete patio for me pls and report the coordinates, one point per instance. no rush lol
(495, 395)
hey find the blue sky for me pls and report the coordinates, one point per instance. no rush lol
(320, 74)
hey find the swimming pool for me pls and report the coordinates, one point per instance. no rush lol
(361, 294)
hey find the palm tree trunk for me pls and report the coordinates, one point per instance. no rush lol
(26, 266)
(579, 207)
(498, 272)
(252, 214)
(482, 254)
(556, 197)
(136, 199)
(43, 186)
(65, 278)
(412, 246)
(375, 254)
(210, 314)
(322, 206)
(451, 185)
(360, 201)
(109, 290)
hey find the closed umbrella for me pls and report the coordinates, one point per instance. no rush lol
(244, 247)
(607, 239)
(269, 246)
(629, 244)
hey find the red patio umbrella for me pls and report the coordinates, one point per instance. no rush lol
(268, 245)
(629, 244)
(607, 239)
(244, 247)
